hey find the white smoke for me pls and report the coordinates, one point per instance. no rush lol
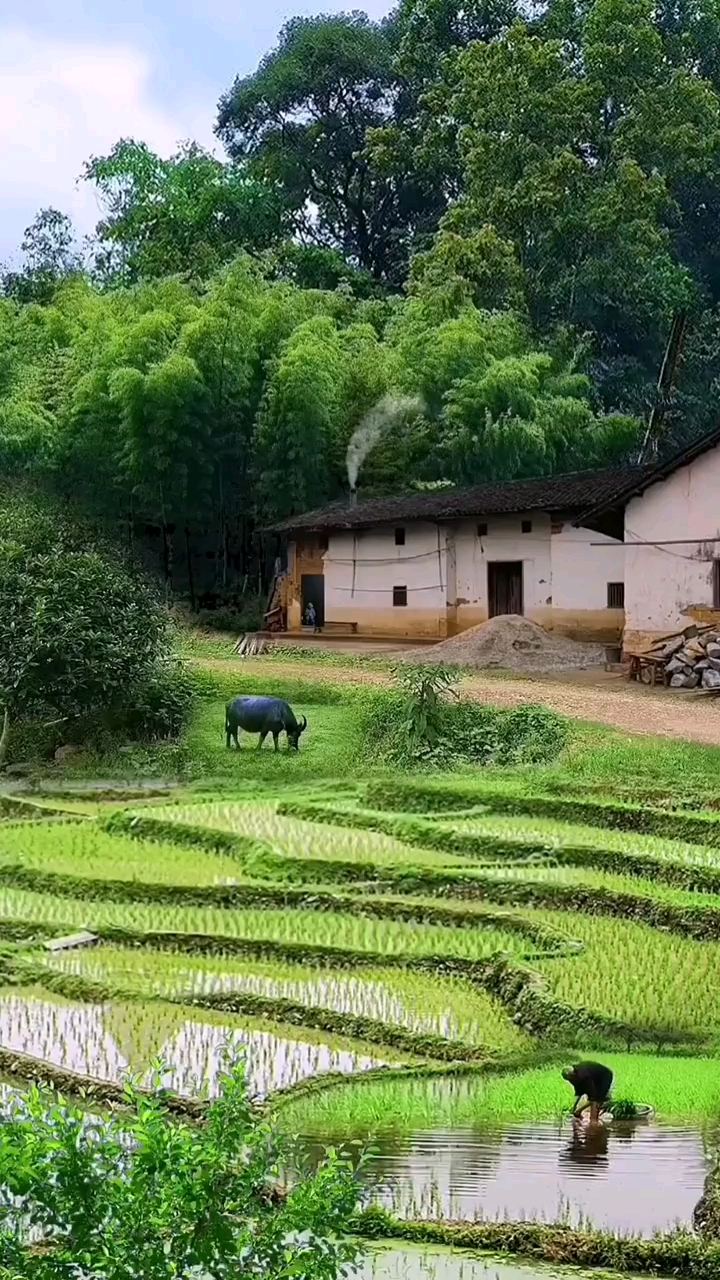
(383, 415)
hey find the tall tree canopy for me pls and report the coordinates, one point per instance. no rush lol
(487, 213)
(301, 122)
(188, 214)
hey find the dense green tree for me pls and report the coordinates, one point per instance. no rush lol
(50, 256)
(79, 634)
(301, 123)
(576, 157)
(186, 215)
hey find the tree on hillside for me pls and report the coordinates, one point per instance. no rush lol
(579, 157)
(50, 257)
(186, 215)
(500, 406)
(301, 122)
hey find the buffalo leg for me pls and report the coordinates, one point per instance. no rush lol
(276, 735)
(263, 736)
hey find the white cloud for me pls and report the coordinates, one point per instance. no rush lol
(62, 101)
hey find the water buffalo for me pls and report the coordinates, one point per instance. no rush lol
(263, 716)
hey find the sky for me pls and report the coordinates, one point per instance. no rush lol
(76, 76)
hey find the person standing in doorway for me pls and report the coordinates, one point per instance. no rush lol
(311, 617)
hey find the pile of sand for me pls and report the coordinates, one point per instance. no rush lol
(515, 644)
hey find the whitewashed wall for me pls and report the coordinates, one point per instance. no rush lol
(361, 570)
(581, 570)
(503, 541)
(445, 572)
(665, 585)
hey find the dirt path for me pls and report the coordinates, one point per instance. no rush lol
(595, 696)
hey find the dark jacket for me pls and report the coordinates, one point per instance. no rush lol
(592, 1079)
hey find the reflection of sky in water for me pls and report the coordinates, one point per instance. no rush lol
(366, 997)
(643, 1180)
(419, 1263)
(108, 1041)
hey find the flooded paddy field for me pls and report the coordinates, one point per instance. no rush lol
(296, 838)
(499, 1148)
(114, 1040)
(630, 1179)
(424, 1262)
(448, 1007)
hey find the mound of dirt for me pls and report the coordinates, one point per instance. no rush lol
(515, 644)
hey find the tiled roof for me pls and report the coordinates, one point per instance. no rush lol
(639, 479)
(568, 494)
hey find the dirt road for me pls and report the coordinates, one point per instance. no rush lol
(596, 696)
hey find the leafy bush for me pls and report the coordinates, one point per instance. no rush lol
(423, 688)
(419, 726)
(85, 646)
(154, 1197)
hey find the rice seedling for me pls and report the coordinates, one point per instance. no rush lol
(636, 974)
(426, 1005)
(315, 928)
(85, 849)
(680, 1089)
(299, 839)
(420, 1262)
(552, 832)
(113, 1040)
(589, 878)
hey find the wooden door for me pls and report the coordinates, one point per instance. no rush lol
(505, 587)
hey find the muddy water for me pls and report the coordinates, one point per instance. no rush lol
(631, 1179)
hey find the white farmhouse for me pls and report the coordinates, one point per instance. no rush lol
(671, 520)
(428, 566)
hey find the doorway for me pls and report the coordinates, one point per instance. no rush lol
(312, 586)
(505, 587)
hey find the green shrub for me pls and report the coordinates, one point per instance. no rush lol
(461, 732)
(153, 1196)
(86, 648)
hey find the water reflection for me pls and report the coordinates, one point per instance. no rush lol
(587, 1148)
(630, 1178)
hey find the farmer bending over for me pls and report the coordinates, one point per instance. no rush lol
(592, 1081)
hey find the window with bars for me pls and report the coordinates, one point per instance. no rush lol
(616, 595)
(399, 596)
(526, 526)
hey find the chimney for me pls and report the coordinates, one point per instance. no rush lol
(353, 497)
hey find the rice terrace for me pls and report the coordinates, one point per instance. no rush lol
(404, 953)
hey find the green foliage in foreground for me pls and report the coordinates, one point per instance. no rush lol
(145, 1196)
(685, 1089)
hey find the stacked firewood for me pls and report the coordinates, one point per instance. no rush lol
(691, 659)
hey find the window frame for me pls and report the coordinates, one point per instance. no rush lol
(615, 592)
(400, 597)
